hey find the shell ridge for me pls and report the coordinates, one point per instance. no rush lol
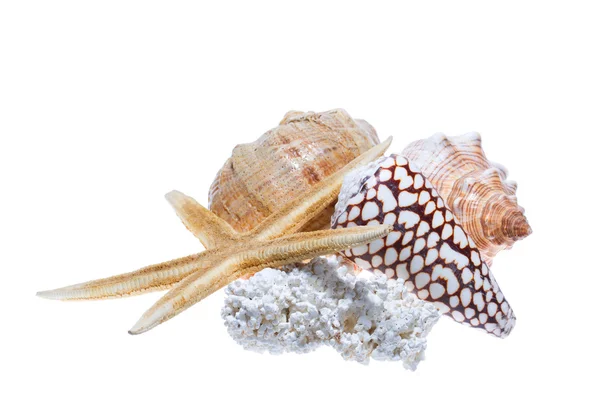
(285, 162)
(474, 187)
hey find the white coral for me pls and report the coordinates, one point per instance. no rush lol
(300, 308)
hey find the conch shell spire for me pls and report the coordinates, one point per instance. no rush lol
(474, 188)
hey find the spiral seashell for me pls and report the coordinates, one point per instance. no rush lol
(284, 163)
(474, 188)
(427, 247)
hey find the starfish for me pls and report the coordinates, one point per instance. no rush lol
(230, 255)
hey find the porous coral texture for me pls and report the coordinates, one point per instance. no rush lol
(298, 308)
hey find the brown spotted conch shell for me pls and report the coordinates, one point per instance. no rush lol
(427, 247)
(284, 163)
(474, 189)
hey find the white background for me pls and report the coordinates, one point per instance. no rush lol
(105, 106)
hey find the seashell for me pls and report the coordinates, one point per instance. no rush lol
(427, 247)
(474, 188)
(284, 163)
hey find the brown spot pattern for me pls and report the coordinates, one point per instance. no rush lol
(427, 247)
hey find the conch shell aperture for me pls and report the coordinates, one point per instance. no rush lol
(474, 188)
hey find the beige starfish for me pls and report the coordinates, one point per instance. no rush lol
(230, 255)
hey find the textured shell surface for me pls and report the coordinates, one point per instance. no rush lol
(285, 162)
(475, 189)
(427, 248)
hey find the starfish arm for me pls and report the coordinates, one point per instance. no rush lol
(273, 253)
(154, 277)
(300, 211)
(211, 230)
